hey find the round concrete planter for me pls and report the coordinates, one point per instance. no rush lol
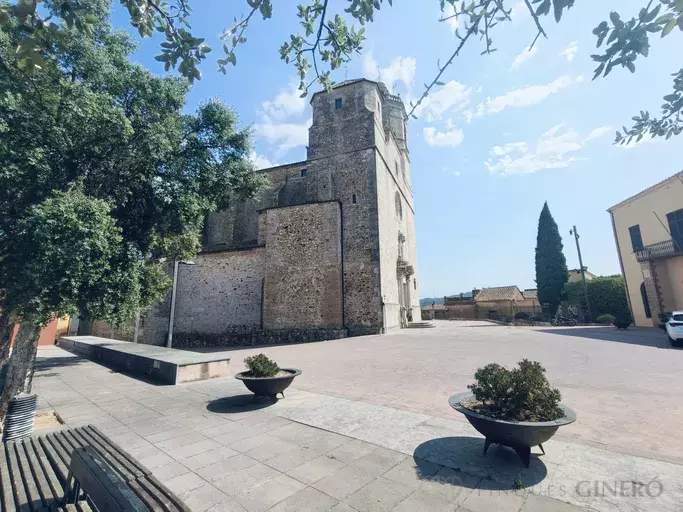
(518, 435)
(621, 324)
(268, 386)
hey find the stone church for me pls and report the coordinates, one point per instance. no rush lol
(326, 251)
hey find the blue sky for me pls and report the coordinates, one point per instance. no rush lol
(507, 132)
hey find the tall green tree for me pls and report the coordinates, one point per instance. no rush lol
(551, 265)
(327, 40)
(102, 177)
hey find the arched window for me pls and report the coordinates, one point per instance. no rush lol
(399, 206)
(646, 304)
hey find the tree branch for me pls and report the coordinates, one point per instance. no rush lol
(473, 28)
(537, 21)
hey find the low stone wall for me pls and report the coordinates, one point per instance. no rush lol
(245, 336)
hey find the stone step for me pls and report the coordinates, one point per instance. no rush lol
(420, 325)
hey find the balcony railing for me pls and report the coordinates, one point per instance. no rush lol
(665, 249)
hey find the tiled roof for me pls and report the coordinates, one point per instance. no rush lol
(499, 293)
(530, 293)
(575, 275)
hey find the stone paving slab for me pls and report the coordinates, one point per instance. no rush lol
(625, 386)
(405, 462)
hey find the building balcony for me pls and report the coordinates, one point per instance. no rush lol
(666, 249)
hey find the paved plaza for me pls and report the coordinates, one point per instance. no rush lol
(367, 426)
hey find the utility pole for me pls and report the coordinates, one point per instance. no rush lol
(583, 273)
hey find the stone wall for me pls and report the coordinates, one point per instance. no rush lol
(222, 289)
(237, 227)
(396, 215)
(303, 267)
(251, 337)
(357, 158)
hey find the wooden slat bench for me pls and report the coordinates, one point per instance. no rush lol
(34, 472)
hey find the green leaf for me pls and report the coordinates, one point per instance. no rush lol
(669, 27)
(652, 14)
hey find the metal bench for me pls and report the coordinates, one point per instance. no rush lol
(100, 484)
(35, 472)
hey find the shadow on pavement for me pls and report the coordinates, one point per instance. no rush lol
(48, 363)
(500, 469)
(655, 338)
(239, 403)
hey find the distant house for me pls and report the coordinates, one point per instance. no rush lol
(575, 275)
(488, 303)
(507, 300)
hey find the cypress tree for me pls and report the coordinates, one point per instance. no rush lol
(551, 265)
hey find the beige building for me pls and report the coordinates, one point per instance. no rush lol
(648, 229)
(575, 275)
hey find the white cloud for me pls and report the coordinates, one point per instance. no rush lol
(449, 15)
(520, 12)
(570, 51)
(285, 135)
(282, 122)
(452, 97)
(554, 149)
(600, 132)
(260, 161)
(450, 138)
(287, 103)
(523, 57)
(525, 96)
(400, 70)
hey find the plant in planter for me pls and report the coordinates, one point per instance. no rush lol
(606, 319)
(265, 378)
(516, 408)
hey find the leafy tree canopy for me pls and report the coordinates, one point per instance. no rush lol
(328, 38)
(607, 296)
(101, 174)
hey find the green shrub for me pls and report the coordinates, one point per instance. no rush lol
(521, 315)
(607, 295)
(520, 394)
(605, 319)
(261, 366)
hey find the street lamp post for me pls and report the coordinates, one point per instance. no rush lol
(583, 273)
(176, 264)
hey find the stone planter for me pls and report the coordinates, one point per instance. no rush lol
(268, 387)
(518, 435)
(621, 324)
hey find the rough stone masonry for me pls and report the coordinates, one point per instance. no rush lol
(327, 250)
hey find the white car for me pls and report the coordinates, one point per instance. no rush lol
(674, 327)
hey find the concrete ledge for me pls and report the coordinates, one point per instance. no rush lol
(166, 365)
